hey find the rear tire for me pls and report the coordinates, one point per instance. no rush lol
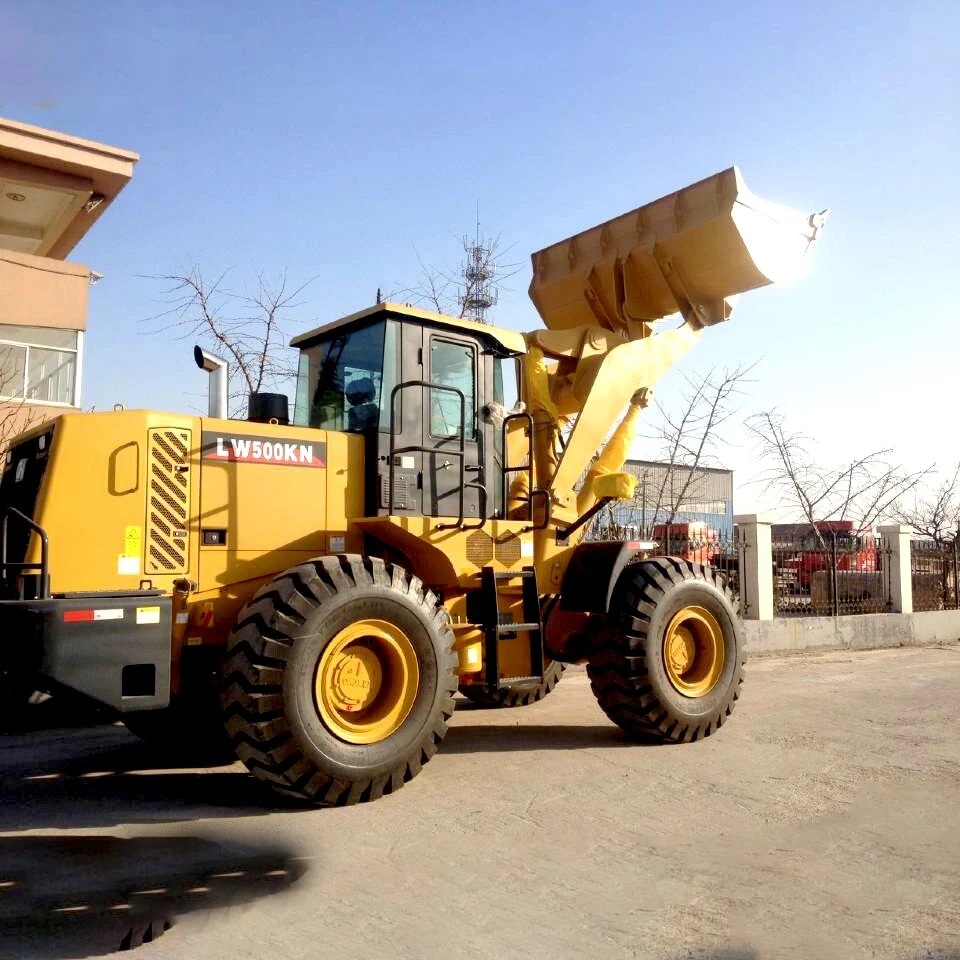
(338, 680)
(669, 664)
(517, 694)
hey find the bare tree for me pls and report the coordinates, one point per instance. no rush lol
(246, 328)
(862, 490)
(16, 414)
(933, 511)
(452, 291)
(15, 418)
(690, 439)
(686, 439)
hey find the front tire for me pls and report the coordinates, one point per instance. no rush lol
(338, 680)
(669, 662)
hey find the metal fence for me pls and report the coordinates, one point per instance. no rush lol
(933, 570)
(726, 561)
(825, 573)
(831, 574)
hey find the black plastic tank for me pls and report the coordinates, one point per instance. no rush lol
(268, 408)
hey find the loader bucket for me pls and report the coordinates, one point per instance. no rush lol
(687, 252)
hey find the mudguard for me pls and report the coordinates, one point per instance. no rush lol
(592, 574)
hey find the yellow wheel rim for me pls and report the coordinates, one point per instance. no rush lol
(693, 651)
(366, 681)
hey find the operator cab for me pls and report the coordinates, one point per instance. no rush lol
(418, 386)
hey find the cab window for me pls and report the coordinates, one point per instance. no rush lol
(505, 386)
(452, 364)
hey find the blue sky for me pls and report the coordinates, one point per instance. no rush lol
(339, 140)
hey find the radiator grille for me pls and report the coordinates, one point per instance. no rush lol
(168, 506)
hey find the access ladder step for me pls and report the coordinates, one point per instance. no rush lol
(517, 627)
(491, 614)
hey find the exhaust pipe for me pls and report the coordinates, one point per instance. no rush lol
(219, 371)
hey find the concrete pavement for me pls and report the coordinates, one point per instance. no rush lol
(822, 821)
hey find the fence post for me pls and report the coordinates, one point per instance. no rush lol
(956, 576)
(834, 579)
(756, 574)
(896, 543)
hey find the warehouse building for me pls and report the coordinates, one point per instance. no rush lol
(689, 494)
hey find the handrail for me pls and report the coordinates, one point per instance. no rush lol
(532, 492)
(528, 466)
(482, 487)
(547, 513)
(42, 566)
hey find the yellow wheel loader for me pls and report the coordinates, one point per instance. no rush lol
(309, 594)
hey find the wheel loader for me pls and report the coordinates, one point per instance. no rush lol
(309, 594)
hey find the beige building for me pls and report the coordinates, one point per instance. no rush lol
(53, 188)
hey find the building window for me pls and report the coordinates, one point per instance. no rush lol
(38, 364)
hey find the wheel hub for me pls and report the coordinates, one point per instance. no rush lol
(682, 650)
(356, 678)
(366, 681)
(693, 651)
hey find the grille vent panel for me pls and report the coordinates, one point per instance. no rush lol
(167, 543)
(479, 548)
(507, 549)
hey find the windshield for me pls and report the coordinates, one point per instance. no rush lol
(340, 381)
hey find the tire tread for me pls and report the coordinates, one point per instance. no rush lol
(618, 669)
(251, 688)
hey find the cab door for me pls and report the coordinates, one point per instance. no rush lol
(451, 461)
(437, 412)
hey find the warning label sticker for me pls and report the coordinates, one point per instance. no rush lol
(148, 614)
(131, 541)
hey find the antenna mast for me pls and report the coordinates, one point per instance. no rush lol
(479, 293)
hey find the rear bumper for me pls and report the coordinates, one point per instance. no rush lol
(114, 648)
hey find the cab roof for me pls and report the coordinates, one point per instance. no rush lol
(510, 340)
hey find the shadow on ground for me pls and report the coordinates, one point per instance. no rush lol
(103, 776)
(64, 896)
(44, 712)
